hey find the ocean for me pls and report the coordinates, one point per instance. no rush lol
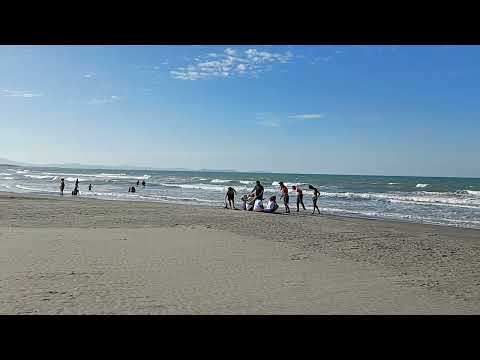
(432, 200)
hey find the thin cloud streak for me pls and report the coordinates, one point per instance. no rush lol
(18, 93)
(109, 100)
(307, 116)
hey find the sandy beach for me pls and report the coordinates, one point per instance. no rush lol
(84, 256)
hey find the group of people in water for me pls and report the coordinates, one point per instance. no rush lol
(132, 188)
(76, 190)
(254, 200)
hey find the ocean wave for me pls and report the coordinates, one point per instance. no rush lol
(130, 196)
(290, 184)
(247, 182)
(7, 178)
(202, 187)
(473, 192)
(422, 185)
(73, 179)
(220, 181)
(392, 183)
(5, 174)
(101, 175)
(40, 176)
(447, 199)
(35, 189)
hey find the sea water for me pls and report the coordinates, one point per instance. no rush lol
(433, 200)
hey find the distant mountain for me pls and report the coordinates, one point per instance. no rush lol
(4, 161)
(105, 167)
(213, 170)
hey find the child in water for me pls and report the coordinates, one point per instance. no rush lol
(231, 197)
(315, 197)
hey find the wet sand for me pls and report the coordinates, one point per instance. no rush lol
(83, 256)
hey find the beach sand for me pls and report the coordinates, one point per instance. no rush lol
(84, 256)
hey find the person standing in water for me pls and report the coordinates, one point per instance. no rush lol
(316, 195)
(90, 187)
(76, 183)
(285, 196)
(299, 197)
(62, 186)
(143, 182)
(231, 197)
(138, 182)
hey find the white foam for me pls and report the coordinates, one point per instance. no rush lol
(220, 181)
(473, 192)
(7, 178)
(422, 185)
(247, 182)
(392, 183)
(40, 176)
(101, 175)
(5, 174)
(73, 179)
(34, 189)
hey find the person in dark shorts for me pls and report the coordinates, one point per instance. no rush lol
(90, 187)
(76, 183)
(143, 182)
(285, 196)
(258, 191)
(299, 197)
(133, 189)
(75, 190)
(230, 196)
(316, 195)
(62, 186)
(138, 182)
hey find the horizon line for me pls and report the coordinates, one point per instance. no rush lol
(180, 169)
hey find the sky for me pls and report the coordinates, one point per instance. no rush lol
(379, 110)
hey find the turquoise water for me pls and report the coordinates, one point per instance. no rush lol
(445, 201)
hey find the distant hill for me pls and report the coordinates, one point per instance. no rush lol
(4, 161)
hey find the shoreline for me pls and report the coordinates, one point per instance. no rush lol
(398, 264)
(69, 197)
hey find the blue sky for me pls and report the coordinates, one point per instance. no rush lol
(388, 110)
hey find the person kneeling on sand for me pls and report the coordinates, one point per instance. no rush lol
(272, 205)
(258, 206)
(250, 201)
(244, 202)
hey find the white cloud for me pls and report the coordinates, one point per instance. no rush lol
(268, 123)
(230, 63)
(267, 119)
(307, 116)
(107, 100)
(17, 93)
(89, 76)
(230, 52)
